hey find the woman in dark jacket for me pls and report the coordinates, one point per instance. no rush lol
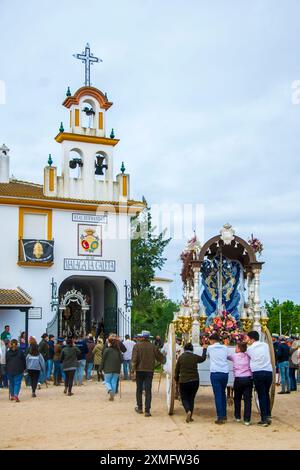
(111, 366)
(69, 358)
(15, 366)
(186, 373)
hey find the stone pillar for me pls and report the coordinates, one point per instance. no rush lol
(249, 278)
(195, 324)
(60, 322)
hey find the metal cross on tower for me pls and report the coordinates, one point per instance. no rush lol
(89, 59)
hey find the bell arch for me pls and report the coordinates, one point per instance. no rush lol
(88, 113)
(75, 163)
(101, 164)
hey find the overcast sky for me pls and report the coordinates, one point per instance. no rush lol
(203, 105)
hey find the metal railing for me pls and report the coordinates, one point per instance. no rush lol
(123, 325)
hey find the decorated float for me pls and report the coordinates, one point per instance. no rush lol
(221, 293)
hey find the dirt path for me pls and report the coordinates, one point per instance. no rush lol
(89, 421)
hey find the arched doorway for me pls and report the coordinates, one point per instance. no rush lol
(87, 304)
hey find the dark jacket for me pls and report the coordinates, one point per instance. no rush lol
(276, 346)
(69, 357)
(144, 355)
(90, 345)
(283, 353)
(44, 349)
(111, 361)
(81, 345)
(187, 366)
(51, 349)
(15, 362)
(57, 351)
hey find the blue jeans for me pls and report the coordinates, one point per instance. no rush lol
(219, 382)
(293, 382)
(284, 376)
(15, 382)
(58, 372)
(42, 377)
(111, 381)
(126, 369)
(49, 366)
(80, 371)
(89, 368)
(262, 382)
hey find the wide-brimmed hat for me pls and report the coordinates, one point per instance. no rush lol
(145, 334)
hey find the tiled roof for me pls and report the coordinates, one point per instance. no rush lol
(14, 297)
(23, 189)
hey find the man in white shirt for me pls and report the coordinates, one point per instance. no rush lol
(127, 355)
(261, 367)
(219, 371)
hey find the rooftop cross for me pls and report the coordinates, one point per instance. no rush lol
(88, 58)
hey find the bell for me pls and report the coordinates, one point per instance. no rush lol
(74, 162)
(99, 170)
(99, 166)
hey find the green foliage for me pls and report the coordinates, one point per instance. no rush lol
(290, 317)
(146, 251)
(151, 310)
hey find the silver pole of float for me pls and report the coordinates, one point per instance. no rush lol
(220, 285)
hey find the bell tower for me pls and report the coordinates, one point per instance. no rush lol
(87, 152)
(4, 164)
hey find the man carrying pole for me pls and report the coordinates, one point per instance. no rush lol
(144, 355)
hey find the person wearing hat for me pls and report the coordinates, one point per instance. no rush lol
(144, 356)
(283, 357)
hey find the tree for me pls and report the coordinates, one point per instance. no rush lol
(146, 251)
(290, 317)
(150, 310)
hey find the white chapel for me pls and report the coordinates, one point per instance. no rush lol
(65, 268)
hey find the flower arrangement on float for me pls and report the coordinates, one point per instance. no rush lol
(226, 327)
(256, 244)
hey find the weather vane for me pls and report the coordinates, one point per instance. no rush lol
(88, 58)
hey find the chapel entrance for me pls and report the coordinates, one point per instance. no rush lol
(87, 304)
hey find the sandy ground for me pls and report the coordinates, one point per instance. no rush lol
(88, 420)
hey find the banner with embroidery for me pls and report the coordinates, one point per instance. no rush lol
(232, 286)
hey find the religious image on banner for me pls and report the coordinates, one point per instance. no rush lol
(232, 281)
(37, 250)
(89, 240)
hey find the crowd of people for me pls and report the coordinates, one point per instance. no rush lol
(286, 358)
(72, 360)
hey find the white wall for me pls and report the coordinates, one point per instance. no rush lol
(164, 285)
(36, 281)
